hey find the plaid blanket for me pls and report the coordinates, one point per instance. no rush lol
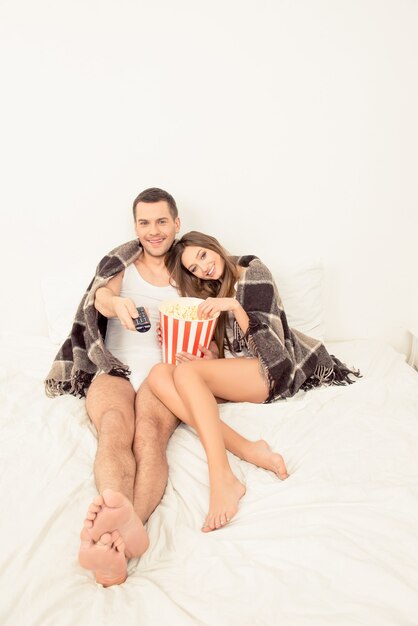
(84, 353)
(291, 360)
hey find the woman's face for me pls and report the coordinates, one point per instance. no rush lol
(203, 263)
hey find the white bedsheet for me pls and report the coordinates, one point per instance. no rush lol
(335, 544)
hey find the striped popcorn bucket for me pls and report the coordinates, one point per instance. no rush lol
(180, 331)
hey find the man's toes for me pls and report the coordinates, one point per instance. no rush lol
(113, 499)
(105, 539)
(93, 510)
(117, 541)
(85, 537)
(98, 500)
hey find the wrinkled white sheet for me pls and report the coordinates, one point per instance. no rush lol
(335, 544)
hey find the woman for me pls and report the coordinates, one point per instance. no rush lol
(276, 361)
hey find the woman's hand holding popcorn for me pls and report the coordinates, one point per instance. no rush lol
(211, 306)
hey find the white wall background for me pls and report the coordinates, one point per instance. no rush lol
(287, 128)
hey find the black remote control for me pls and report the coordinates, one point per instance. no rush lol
(142, 323)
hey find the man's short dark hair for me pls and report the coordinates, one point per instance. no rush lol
(153, 194)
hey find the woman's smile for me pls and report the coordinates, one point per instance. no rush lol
(203, 263)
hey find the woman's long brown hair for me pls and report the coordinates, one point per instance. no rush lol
(190, 285)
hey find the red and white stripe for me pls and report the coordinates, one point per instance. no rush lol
(184, 336)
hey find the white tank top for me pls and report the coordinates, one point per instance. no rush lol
(138, 350)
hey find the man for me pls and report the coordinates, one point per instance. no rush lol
(133, 427)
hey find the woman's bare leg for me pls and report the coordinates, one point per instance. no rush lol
(192, 399)
(197, 386)
(256, 452)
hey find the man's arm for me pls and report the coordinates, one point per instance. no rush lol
(110, 304)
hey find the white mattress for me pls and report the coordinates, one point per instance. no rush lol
(335, 544)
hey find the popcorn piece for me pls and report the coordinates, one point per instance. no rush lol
(181, 311)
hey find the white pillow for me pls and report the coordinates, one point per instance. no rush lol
(300, 287)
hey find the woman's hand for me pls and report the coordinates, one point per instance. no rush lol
(210, 306)
(208, 353)
(182, 357)
(159, 333)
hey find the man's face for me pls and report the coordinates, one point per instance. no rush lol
(155, 227)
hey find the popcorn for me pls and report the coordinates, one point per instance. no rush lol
(181, 311)
(181, 328)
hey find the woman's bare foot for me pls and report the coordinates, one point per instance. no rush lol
(260, 454)
(106, 557)
(224, 498)
(113, 511)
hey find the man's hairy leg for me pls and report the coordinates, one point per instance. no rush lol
(110, 406)
(154, 426)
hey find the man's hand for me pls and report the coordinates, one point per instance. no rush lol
(208, 353)
(125, 310)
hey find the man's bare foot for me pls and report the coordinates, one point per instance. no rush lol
(260, 454)
(113, 511)
(106, 557)
(224, 498)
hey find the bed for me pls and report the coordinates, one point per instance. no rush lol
(335, 544)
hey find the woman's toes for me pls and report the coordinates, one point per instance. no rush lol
(214, 522)
(282, 471)
(208, 524)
